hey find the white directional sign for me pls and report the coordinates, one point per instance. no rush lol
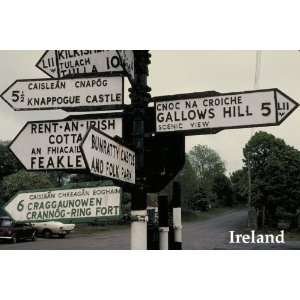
(68, 94)
(54, 145)
(191, 114)
(69, 63)
(77, 205)
(127, 62)
(108, 158)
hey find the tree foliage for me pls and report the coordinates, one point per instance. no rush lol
(239, 181)
(84, 177)
(189, 184)
(275, 174)
(201, 200)
(8, 163)
(23, 180)
(223, 190)
(207, 163)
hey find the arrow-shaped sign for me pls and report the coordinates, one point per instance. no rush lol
(127, 62)
(54, 145)
(72, 63)
(76, 205)
(77, 94)
(106, 157)
(193, 114)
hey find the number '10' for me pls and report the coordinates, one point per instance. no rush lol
(112, 62)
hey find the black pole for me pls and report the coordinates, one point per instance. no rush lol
(177, 226)
(139, 95)
(163, 221)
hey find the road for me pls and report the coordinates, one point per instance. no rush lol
(213, 233)
(198, 235)
(118, 239)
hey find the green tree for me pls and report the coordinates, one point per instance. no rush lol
(8, 163)
(84, 177)
(188, 180)
(200, 200)
(23, 180)
(239, 181)
(207, 164)
(275, 175)
(222, 187)
(57, 177)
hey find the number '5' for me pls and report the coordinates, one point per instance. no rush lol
(265, 108)
(15, 96)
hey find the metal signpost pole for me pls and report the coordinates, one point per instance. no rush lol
(139, 95)
(163, 218)
(177, 225)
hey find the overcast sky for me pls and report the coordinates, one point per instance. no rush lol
(174, 72)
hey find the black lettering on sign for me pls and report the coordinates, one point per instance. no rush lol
(36, 151)
(265, 108)
(57, 162)
(40, 128)
(112, 62)
(112, 170)
(97, 166)
(236, 112)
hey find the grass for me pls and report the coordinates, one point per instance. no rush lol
(292, 235)
(190, 216)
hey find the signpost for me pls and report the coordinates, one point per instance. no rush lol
(106, 157)
(72, 63)
(54, 145)
(160, 164)
(157, 134)
(140, 96)
(77, 94)
(76, 205)
(127, 62)
(193, 114)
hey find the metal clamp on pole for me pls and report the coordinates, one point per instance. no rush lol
(164, 229)
(139, 218)
(177, 227)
